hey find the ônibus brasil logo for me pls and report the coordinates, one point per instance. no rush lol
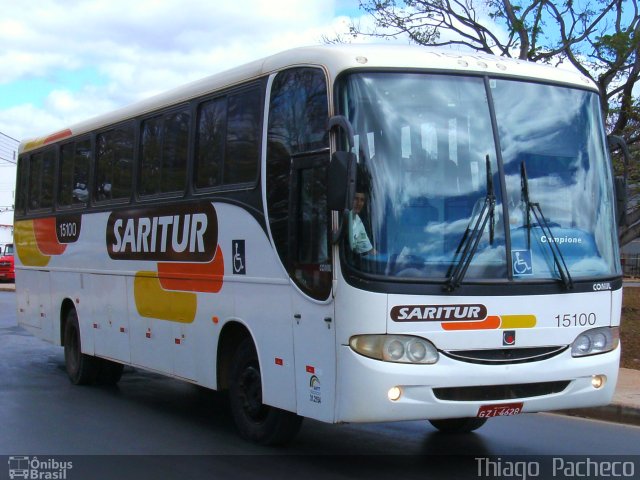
(35, 468)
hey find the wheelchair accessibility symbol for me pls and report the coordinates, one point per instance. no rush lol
(238, 257)
(522, 264)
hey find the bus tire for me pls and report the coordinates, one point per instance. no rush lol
(82, 369)
(254, 420)
(458, 425)
(109, 372)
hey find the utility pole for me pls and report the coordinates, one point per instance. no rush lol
(8, 163)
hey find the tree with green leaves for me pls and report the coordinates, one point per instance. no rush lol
(599, 38)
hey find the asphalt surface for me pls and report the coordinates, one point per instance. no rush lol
(150, 426)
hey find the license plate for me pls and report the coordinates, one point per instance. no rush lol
(502, 410)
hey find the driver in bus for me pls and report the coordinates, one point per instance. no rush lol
(360, 242)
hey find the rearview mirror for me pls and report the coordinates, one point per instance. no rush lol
(342, 181)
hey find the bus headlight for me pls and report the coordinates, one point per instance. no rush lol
(395, 348)
(596, 340)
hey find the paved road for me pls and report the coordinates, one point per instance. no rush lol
(41, 413)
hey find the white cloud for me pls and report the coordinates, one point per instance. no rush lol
(139, 48)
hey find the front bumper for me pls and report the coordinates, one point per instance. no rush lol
(363, 384)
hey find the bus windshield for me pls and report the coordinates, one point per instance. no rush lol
(441, 195)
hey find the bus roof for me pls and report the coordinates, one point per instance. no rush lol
(335, 59)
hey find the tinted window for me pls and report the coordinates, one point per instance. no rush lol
(114, 154)
(151, 156)
(164, 149)
(298, 112)
(243, 138)
(228, 140)
(41, 180)
(210, 142)
(21, 183)
(309, 231)
(73, 186)
(175, 151)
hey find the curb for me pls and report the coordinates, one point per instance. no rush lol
(609, 413)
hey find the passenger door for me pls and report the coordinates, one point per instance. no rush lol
(311, 270)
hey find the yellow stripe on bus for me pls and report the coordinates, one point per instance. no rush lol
(27, 246)
(152, 301)
(517, 321)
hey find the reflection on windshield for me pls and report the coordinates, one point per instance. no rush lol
(560, 140)
(423, 142)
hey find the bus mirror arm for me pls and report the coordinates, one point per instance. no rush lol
(620, 183)
(340, 121)
(337, 234)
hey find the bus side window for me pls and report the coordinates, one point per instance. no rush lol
(309, 226)
(21, 184)
(210, 142)
(163, 159)
(41, 180)
(73, 183)
(242, 153)
(114, 158)
(298, 112)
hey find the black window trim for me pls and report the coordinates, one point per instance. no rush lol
(74, 141)
(134, 123)
(260, 85)
(185, 107)
(55, 148)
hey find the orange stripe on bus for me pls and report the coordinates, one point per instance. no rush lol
(193, 277)
(45, 231)
(58, 136)
(489, 323)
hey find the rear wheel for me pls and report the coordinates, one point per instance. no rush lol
(256, 421)
(82, 369)
(458, 425)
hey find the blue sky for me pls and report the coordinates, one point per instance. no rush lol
(36, 89)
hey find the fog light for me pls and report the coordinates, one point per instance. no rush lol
(394, 393)
(598, 381)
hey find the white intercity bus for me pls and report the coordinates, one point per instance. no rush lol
(345, 233)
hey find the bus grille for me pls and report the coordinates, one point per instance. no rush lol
(499, 392)
(503, 356)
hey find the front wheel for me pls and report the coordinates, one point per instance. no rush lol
(256, 421)
(82, 369)
(458, 425)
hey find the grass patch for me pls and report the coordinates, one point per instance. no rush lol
(630, 328)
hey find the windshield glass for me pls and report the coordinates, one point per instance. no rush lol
(425, 145)
(554, 136)
(429, 190)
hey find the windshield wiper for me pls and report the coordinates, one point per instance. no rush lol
(534, 207)
(471, 238)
